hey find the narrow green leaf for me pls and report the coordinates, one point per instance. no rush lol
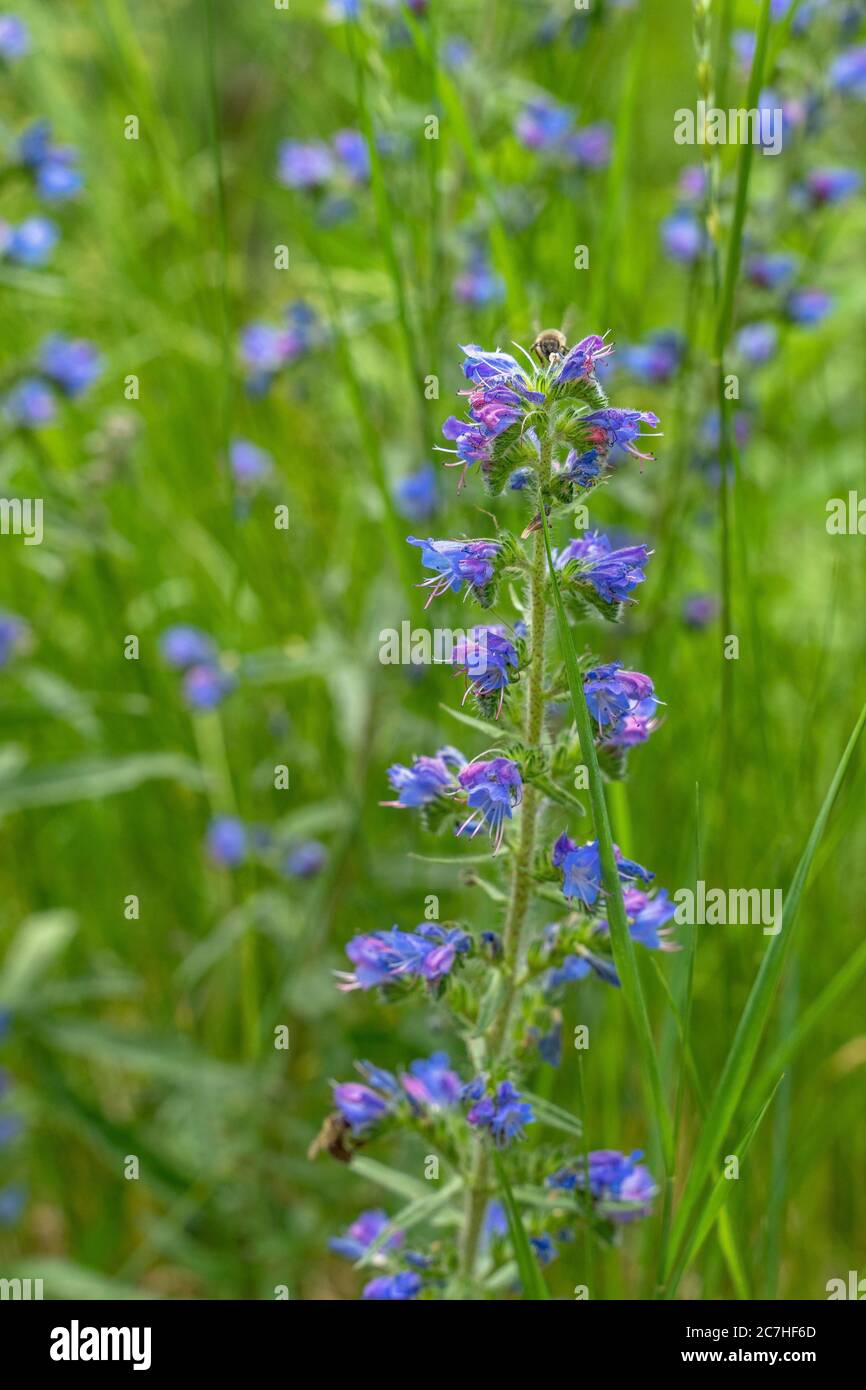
(534, 1286)
(753, 1021)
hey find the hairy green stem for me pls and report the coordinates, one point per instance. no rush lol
(520, 889)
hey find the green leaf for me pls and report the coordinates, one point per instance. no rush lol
(750, 1029)
(37, 944)
(389, 1178)
(531, 1278)
(712, 1210)
(91, 779)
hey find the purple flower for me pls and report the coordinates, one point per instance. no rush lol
(770, 271)
(504, 1115)
(352, 152)
(656, 360)
(431, 1084)
(72, 364)
(613, 574)
(699, 610)
(384, 957)
(757, 342)
(183, 646)
(493, 788)
(12, 1202)
(53, 166)
(580, 361)
(478, 284)
(848, 71)
(634, 727)
(647, 918)
(301, 165)
(577, 967)
(31, 242)
(589, 146)
(30, 403)
(488, 660)
(683, 237)
(265, 348)
(361, 1235)
(622, 1187)
(456, 562)
(612, 692)
(617, 429)
(581, 869)
(427, 778)
(826, 186)
(249, 463)
(14, 38)
(14, 636)
(227, 841)
(415, 494)
(305, 860)
(358, 1104)
(500, 399)
(692, 184)
(399, 1287)
(808, 306)
(542, 125)
(206, 686)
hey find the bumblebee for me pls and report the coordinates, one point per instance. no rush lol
(332, 1137)
(550, 346)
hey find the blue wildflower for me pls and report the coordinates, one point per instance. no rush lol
(827, 186)
(14, 38)
(657, 359)
(352, 152)
(808, 306)
(456, 563)
(478, 284)
(399, 1287)
(305, 860)
(361, 1235)
(31, 242)
(848, 71)
(611, 693)
(415, 494)
(14, 636)
(683, 237)
(542, 125)
(581, 869)
(494, 788)
(73, 364)
(769, 271)
(622, 1187)
(431, 1084)
(613, 574)
(360, 1106)
(183, 646)
(386, 957)
(249, 464)
(30, 403)
(504, 1115)
(304, 165)
(757, 342)
(53, 166)
(227, 841)
(206, 686)
(489, 662)
(427, 778)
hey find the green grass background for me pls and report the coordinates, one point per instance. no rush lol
(154, 1037)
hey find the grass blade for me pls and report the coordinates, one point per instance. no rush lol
(755, 1014)
(534, 1286)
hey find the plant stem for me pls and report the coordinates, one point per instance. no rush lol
(521, 884)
